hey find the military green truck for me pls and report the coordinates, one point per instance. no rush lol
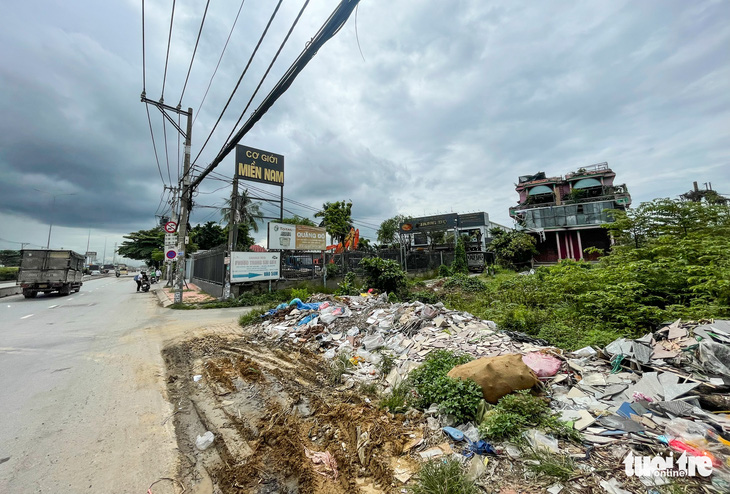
(46, 271)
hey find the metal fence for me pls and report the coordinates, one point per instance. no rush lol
(209, 265)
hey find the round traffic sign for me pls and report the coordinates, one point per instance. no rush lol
(171, 254)
(170, 227)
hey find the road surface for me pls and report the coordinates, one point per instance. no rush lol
(82, 394)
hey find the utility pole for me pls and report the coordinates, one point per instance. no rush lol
(114, 258)
(186, 199)
(232, 228)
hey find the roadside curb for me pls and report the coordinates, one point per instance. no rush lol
(10, 290)
(162, 297)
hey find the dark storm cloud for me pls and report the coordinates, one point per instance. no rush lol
(453, 101)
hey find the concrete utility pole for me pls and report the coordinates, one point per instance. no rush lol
(186, 199)
(232, 227)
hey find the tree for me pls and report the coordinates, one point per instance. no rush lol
(365, 245)
(460, 263)
(298, 220)
(336, 219)
(208, 236)
(512, 249)
(247, 213)
(144, 245)
(389, 232)
(10, 258)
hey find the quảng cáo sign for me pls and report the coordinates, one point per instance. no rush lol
(296, 237)
(257, 165)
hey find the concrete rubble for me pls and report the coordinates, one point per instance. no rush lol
(651, 395)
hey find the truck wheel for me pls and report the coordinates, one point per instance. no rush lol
(77, 289)
(65, 290)
(29, 293)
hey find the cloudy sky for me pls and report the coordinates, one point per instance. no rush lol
(415, 107)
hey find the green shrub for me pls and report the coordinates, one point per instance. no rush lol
(385, 275)
(459, 265)
(426, 296)
(466, 283)
(300, 293)
(445, 271)
(348, 285)
(251, 317)
(456, 397)
(443, 477)
(518, 411)
(8, 274)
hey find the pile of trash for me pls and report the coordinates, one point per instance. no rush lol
(367, 327)
(664, 392)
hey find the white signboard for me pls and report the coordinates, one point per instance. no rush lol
(171, 239)
(254, 266)
(296, 237)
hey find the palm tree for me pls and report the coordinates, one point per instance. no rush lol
(247, 212)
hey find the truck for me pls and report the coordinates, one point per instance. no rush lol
(46, 271)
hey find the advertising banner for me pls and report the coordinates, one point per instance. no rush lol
(254, 266)
(430, 223)
(257, 165)
(296, 237)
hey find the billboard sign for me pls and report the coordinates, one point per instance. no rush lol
(296, 237)
(254, 266)
(430, 223)
(471, 220)
(256, 165)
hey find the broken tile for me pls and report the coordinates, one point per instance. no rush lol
(595, 379)
(586, 419)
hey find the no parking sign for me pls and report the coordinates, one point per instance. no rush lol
(171, 254)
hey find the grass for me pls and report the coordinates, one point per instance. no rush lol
(339, 366)
(369, 389)
(399, 398)
(561, 467)
(443, 477)
(251, 317)
(386, 364)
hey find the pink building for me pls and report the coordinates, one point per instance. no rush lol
(565, 214)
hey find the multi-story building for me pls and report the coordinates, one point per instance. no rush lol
(565, 214)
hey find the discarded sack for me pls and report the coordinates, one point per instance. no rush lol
(541, 364)
(497, 376)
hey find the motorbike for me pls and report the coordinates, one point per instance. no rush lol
(153, 279)
(117, 274)
(145, 285)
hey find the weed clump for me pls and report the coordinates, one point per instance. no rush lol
(251, 317)
(519, 411)
(456, 397)
(443, 477)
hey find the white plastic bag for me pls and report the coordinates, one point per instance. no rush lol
(203, 442)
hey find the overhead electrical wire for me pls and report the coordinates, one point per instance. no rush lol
(167, 155)
(268, 69)
(154, 146)
(219, 62)
(167, 56)
(331, 27)
(248, 64)
(194, 50)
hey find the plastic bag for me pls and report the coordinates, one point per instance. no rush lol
(543, 365)
(715, 358)
(203, 442)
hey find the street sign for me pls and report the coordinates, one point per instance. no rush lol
(91, 254)
(254, 266)
(170, 227)
(171, 254)
(170, 239)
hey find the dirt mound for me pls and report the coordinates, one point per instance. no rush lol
(267, 406)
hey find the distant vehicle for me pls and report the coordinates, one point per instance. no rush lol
(123, 270)
(108, 268)
(95, 267)
(49, 271)
(95, 272)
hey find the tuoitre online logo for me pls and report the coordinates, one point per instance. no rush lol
(656, 466)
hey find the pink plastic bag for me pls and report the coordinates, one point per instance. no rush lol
(541, 364)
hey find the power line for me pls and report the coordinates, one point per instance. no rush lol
(167, 56)
(268, 69)
(225, 107)
(154, 146)
(167, 155)
(331, 27)
(219, 62)
(194, 50)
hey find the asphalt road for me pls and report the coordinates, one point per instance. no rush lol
(82, 392)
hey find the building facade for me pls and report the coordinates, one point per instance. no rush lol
(565, 214)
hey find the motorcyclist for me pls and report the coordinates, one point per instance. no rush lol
(142, 276)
